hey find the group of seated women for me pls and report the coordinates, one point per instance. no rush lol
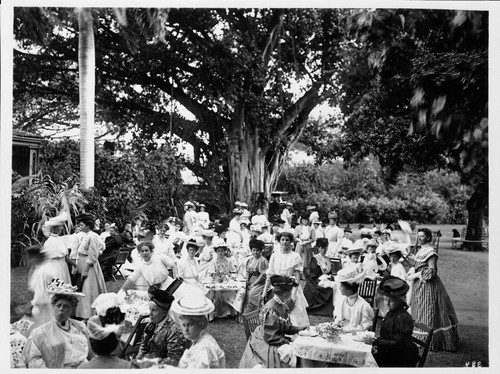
(64, 342)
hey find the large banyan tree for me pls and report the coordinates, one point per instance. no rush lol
(238, 85)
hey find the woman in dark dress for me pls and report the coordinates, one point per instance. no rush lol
(394, 347)
(320, 299)
(256, 267)
(268, 339)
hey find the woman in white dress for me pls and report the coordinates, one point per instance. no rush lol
(153, 269)
(189, 267)
(259, 218)
(57, 247)
(286, 215)
(334, 235)
(204, 352)
(203, 217)
(289, 263)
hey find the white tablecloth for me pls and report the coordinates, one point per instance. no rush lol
(347, 351)
(233, 293)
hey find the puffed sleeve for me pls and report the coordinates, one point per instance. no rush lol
(167, 261)
(263, 266)
(32, 355)
(270, 269)
(298, 263)
(367, 317)
(275, 328)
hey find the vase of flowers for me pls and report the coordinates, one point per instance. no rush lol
(330, 331)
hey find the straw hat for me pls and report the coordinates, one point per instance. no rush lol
(189, 203)
(237, 211)
(349, 275)
(192, 306)
(59, 287)
(357, 247)
(256, 228)
(208, 233)
(317, 222)
(333, 215)
(311, 207)
(244, 205)
(192, 243)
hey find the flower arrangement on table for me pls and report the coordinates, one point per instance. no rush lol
(329, 331)
(220, 277)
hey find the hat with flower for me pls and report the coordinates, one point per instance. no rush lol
(59, 287)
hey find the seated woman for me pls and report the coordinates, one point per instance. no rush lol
(396, 268)
(163, 339)
(394, 347)
(256, 267)
(320, 299)
(104, 337)
(62, 342)
(188, 266)
(373, 263)
(351, 310)
(204, 352)
(220, 270)
(152, 270)
(268, 339)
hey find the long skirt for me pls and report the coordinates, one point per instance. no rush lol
(92, 287)
(320, 299)
(298, 315)
(258, 352)
(253, 298)
(305, 251)
(431, 304)
(61, 270)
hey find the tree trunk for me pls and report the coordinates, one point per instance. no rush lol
(476, 207)
(86, 66)
(250, 170)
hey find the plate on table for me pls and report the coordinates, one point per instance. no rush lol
(308, 332)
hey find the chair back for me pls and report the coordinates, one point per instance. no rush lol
(367, 290)
(135, 336)
(121, 256)
(423, 345)
(375, 319)
(250, 322)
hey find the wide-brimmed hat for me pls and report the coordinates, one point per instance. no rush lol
(189, 203)
(288, 203)
(202, 205)
(317, 222)
(245, 222)
(192, 243)
(59, 287)
(219, 243)
(244, 205)
(192, 306)
(350, 275)
(393, 286)
(237, 211)
(347, 229)
(208, 233)
(99, 332)
(105, 301)
(58, 220)
(257, 228)
(310, 207)
(357, 247)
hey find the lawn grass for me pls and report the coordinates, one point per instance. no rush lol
(464, 274)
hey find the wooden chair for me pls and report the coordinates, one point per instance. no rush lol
(135, 336)
(367, 290)
(120, 259)
(250, 322)
(423, 345)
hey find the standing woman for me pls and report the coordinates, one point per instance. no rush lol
(56, 247)
(305, 236)
(334, 234)
(288, 263)
(430, 302)
(92, 279)
(286, 215)
(256, 267)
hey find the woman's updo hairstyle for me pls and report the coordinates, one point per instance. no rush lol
(257, 244)
(146, 243)
(289, 235)
(427, 232)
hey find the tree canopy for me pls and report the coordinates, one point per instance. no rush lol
(234, 70)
